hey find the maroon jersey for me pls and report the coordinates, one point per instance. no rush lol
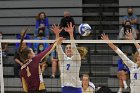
(29, 72)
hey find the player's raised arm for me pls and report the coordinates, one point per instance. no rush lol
(125, 59)
(56, 29)
(70, 29)
(111, 45)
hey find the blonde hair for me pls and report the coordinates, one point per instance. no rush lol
(86, 75)
(135, 56)
(83, 52)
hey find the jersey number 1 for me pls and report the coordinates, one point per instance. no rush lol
(68, 66)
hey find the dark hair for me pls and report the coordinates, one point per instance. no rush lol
(127, 21)
(38, 15)
(130, 7)
(42, 28)
(127, 28)
(43, 34)
(24, 54)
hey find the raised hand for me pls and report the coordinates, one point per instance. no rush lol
(56, 29)
(104, 37)
(111, 45)
(59, 40)
(129, 35)
(70, 28)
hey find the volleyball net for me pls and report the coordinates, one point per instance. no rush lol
(88, 67)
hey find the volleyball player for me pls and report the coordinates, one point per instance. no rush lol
(86, 84)
(69, 62)
(133, 67)
(31, 74)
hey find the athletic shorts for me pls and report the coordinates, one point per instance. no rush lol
(67, 89)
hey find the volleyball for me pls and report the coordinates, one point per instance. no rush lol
(84, 29)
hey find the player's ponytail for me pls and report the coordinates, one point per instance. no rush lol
(83, 52)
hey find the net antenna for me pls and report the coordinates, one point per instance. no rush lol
(1, 70)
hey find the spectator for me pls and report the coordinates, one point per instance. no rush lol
(18, 62)
(122, 36)
(18, 36)
(63, 23)
(127, 27)
(86, 87)
(54, 60)
(4, 48)
(131, 17)
(39, 47)
(42, 22)
(123, 72)
(42, 19)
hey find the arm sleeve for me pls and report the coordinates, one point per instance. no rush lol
(47, 32)
(37, 24)
(125, 18)
(135, 17)
(125, 59)
(47, 23)
(75, 51)
(60, 52)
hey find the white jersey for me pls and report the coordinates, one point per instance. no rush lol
(69, 67)
(88, 90)
(134, 71)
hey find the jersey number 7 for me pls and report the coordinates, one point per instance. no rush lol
(68, 66)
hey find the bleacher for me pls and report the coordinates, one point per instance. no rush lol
(103, 15)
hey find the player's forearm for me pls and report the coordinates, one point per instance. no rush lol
(59, 52)
(74, 48)
(112, 46)
(71, 36)
(57, 36)
(137, 45)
